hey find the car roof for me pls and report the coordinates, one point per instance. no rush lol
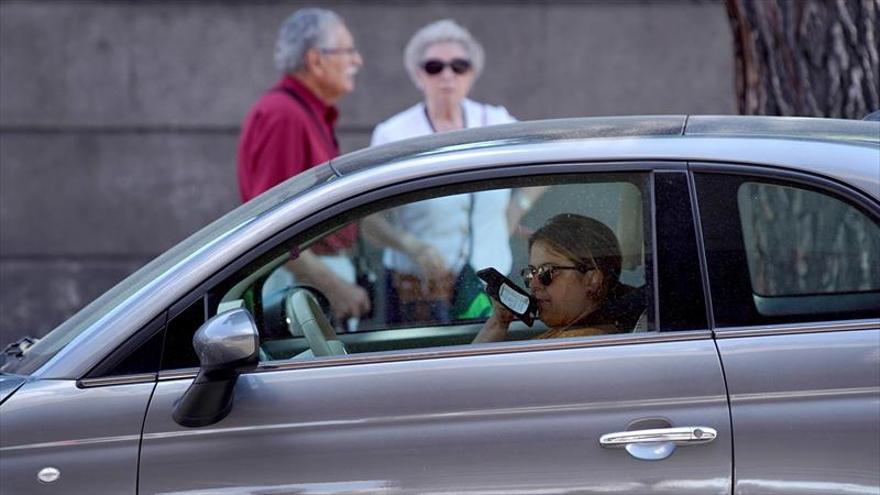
(830, 130)
(519, 133)
(535, 132)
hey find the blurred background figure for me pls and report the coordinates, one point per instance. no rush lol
(444, 60)
(290, 129)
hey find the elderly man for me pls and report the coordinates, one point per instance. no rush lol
(291, 129)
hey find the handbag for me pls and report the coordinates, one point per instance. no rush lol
(365, 276)
(469, 300)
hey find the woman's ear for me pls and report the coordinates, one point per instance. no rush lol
(594, 280)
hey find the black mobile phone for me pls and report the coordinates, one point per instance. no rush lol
(515, 299)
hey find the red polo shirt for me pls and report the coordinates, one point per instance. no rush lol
(283, 136)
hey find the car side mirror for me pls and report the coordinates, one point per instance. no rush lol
(227, 345)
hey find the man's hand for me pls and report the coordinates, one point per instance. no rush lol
(380, 232)
(430, 262)
(347, 300)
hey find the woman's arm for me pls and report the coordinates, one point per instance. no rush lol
(495, 328)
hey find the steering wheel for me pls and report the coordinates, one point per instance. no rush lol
(304, 314)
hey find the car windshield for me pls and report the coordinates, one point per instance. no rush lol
(40, 353)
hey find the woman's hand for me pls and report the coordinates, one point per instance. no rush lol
(501, 314)
(495, 328)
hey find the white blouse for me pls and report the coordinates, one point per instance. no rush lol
(443, 222)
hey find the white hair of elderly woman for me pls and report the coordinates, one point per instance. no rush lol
(302, 30)
(442, 31)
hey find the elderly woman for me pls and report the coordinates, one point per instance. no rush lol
(443, 60)
(574, 266)
(438, 242)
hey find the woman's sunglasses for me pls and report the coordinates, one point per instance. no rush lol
(547, 271)
(458, 65)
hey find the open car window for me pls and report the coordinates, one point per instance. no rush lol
(414, 259)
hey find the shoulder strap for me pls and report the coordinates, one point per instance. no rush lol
(470, 240)
(331, 139)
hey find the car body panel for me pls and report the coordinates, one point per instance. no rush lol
(9, 384)
(91, 436)
(805, 410)
(475, 424)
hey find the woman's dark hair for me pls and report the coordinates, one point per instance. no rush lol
(583, 240)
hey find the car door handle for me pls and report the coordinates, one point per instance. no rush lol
(659, 443)
(685, 435)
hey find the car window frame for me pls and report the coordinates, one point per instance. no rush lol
(779, 175)
(104, 372)
(265, 248)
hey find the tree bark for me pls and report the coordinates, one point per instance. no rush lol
(813, 58)
(816, 58)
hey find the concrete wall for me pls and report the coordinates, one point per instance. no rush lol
(119, 119)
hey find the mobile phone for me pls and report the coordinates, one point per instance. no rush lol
(515, 299)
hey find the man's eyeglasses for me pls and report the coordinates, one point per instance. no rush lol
(434, 66)
(547, 271)
(351, 51)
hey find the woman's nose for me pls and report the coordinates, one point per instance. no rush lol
(534, 283)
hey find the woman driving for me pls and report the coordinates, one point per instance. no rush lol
(573, 273)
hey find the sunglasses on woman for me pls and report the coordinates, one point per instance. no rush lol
(458, 65)
(547, 271)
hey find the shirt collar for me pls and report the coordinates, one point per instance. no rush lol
(329, 112)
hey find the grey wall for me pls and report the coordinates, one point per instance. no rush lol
(119, 120)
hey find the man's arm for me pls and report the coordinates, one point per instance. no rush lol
(346, 299)
(379, 232)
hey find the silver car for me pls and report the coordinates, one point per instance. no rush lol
(754, 368)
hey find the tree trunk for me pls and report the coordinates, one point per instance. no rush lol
(813, 58)
(816, 58)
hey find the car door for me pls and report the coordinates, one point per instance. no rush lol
(523, 416)
(795, 277)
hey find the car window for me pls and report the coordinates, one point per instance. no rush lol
(801, 242)
(787, 252)
(413, 259)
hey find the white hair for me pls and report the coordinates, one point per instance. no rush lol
(301, 31)
(443, 31)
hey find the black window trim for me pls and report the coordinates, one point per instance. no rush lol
(680, 218)
(701, 250)
(100, 373)
(815, 181)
